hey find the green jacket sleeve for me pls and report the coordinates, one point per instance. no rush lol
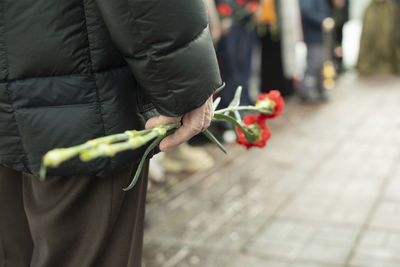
(167, 45)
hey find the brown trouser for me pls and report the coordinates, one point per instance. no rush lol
(76, 221)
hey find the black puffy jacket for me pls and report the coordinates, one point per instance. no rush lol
(73, 70)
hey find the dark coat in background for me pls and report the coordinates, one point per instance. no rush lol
(75, 70)
(313, 13)
(234, 51)
(272, 65)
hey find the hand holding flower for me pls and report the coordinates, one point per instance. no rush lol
(168, 132)
(193, 123)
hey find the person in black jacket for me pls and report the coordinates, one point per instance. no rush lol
(75, 70)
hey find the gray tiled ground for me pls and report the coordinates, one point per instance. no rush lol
(324, 193)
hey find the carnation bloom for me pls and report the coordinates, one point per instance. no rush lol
(252, 6)
(224, 9)
(257, 130)
(241, 2)
(273, 100)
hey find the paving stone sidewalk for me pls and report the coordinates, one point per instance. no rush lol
(325, 192)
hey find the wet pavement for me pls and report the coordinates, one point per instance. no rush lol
(325, 191)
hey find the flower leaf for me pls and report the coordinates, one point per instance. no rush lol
(213, 139)
(142, 160)
(233, 121)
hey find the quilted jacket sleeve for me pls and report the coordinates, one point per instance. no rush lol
(167, 45)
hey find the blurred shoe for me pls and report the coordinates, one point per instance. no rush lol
(306, 100)
(229, 136)
(156, 170)
(323, 98)
(149, 186)
(185, 158)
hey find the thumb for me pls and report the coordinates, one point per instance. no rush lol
(161, 120)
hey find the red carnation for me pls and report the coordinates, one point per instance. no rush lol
(224, 9)
(252, 6)
(278, 103)
(257, 130)
(241, 2)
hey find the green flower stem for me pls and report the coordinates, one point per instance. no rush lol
(232, 120)
(55, 157)
(213, 139)
(244, 108)
(109, 150)
(109, 146)
(106, 146)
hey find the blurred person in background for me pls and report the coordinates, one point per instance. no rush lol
(75, 70)
(313, 13)
(234, 51)
(214, 22)
(279, 30)
(340, 14)
(379, 48)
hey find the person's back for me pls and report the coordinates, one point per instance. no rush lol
(63, 81)
(73, 70)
